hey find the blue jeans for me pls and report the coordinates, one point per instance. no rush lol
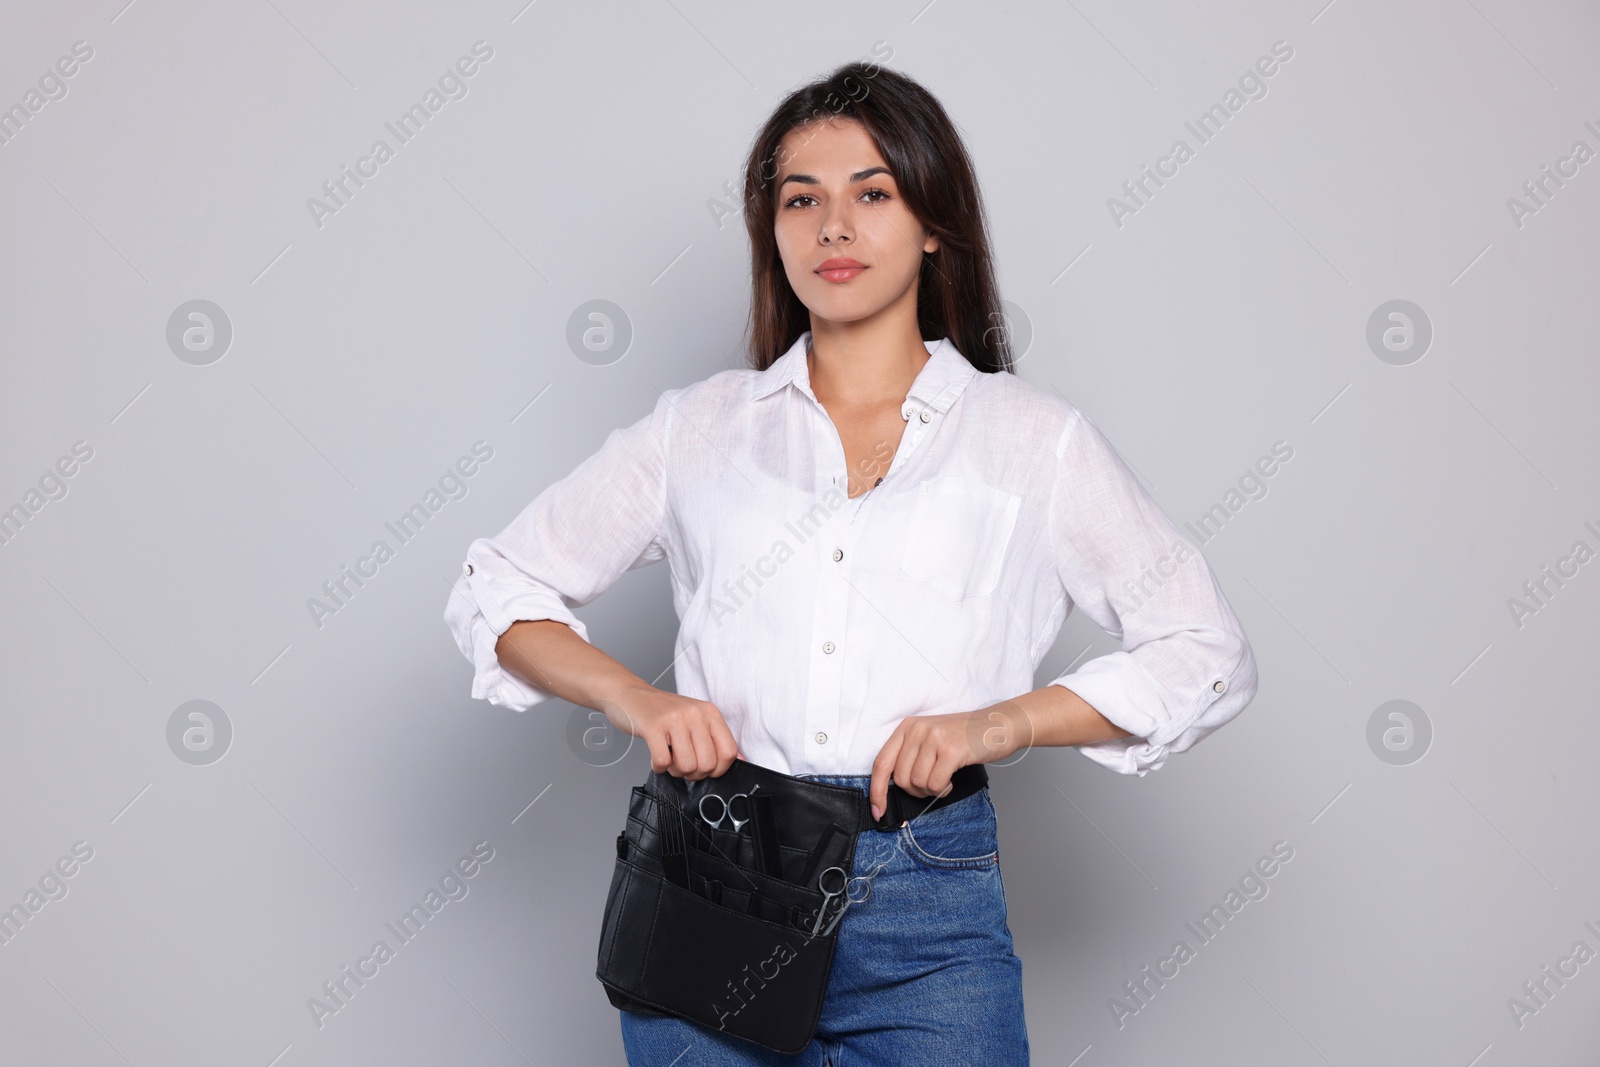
(924, 970)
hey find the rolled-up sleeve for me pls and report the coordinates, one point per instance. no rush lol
(565, 548)
(1185, 666)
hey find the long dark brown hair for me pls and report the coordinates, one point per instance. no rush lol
(956, 292)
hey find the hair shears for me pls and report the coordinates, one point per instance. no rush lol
(727, 812)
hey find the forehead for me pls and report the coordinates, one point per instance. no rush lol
(825, 146)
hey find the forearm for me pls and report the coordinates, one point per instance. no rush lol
(550, 655)
(1053, 715)
(1050, 716)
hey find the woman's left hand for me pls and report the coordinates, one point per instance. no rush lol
(926, 750)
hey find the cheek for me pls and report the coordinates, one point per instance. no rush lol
(786, 253)
(895, 246)
(785, 238)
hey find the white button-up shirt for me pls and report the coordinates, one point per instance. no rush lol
(815, 622)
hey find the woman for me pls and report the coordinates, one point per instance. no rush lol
(874, 536)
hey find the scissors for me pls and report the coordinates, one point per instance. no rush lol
(727, 809)
(829, 896)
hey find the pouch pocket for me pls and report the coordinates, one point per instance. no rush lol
(733, 972)
(643, 833)
(670, 950)
(751, 891)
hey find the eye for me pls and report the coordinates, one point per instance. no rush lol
(878, 192)
(794, 199)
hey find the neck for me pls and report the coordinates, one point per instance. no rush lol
(864, 364)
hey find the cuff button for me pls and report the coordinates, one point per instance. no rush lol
(1218, 686)
(467, 568)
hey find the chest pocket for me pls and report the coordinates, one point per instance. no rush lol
(959, 532)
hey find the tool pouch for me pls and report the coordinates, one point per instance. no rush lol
(716, 925)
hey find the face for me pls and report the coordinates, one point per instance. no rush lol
(850, 246)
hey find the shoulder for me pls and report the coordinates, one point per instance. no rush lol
(1038, 412)
(709, 398)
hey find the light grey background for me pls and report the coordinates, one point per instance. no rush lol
(585, 162)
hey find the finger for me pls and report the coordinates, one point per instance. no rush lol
(705, 750)
(942, 778)
(923, 768)
(683, 760)
(727, 746)
(905, 764)
(878, 791)
(660, 750)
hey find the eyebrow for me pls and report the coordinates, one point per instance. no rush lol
(860, 175)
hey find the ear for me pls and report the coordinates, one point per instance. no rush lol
(932, 243)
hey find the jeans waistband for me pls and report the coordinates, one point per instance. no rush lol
(862, 782)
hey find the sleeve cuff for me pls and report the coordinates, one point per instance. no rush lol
(1127, 755)
(1119, 688)
(473, 615)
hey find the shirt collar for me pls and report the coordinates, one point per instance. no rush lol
(936, 386)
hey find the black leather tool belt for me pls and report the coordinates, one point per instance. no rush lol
(727, 892)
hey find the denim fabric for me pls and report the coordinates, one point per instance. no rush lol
(924, 970)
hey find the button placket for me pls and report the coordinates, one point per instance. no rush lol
(916, 429)
(835, 555)
(833, 545)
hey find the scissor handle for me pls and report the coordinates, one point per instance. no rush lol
(716, 824)
(738, 823)
(727, 809)
(828, 898)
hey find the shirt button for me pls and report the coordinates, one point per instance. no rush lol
(469, 568)
(1218, 686)
(822, 738)
(925, 416)
(838, 554)
(827, 646)
(905, 413)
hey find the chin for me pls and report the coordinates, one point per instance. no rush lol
(848, 310)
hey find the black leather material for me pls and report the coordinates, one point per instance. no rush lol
(903, 807)
(733, 950)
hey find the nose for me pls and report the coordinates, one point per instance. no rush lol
(836, 225)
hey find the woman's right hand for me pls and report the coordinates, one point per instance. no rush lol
(688, 738)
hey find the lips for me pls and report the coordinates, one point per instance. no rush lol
(840, 269)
